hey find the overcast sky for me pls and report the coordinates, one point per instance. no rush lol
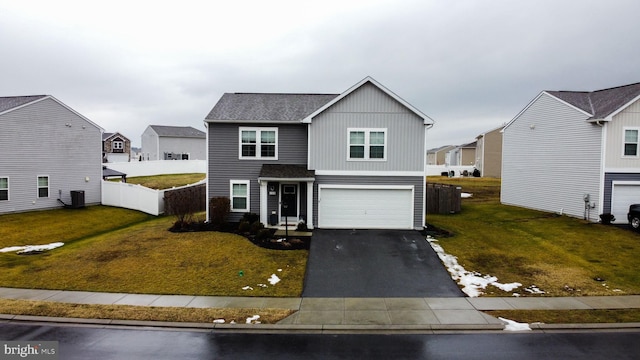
(471, 65)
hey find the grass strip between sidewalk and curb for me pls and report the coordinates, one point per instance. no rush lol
(139, 313)
(569, 316)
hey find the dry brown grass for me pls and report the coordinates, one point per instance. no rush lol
(569, 316)
(141, 313)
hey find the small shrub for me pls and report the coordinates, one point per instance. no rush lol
(263, 235)
(244, 227)
(256, 226)
(219, 209)
(250, 217)
(607, 218)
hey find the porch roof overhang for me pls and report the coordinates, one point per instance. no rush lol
(286, 172)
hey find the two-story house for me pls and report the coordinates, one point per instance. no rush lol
(162, 142)
(51, 153)
(575, 153)
(349, 160)
(489, 153)
(115, 148)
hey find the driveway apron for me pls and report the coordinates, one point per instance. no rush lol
(375, 263)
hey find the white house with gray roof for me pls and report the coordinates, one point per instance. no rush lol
(160, 142)
(50, 151)
(350, 160)
(575, 153)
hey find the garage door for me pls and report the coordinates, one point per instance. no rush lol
(365, 208)
(623, 196)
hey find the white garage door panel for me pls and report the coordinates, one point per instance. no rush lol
(622, 197)
(351, 208)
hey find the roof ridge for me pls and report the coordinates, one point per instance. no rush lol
(279, 93)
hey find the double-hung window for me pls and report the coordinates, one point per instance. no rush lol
(4, 188)
(258, 143)
(630, 142)
(117, 146)
(367, 144)
(239, 195)
(43, 186)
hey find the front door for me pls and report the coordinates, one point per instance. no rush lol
(289, 202)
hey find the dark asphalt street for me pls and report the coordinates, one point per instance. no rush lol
(375, 263)
(131, 344)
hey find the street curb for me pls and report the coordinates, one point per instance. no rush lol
(319, 329)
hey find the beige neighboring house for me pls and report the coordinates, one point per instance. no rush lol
(160, 142)
(437, 156)
(489, 153)
(462, 155)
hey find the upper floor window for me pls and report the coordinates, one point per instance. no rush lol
(43, 186)
(367, 144)
(4, 188)
(630, 142)
(117, 146)
(258, 143)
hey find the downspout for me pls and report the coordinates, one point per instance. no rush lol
(206, 178)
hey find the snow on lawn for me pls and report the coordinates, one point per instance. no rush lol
(465, 195)
(473, 282)
(31, 248)
(274, 279)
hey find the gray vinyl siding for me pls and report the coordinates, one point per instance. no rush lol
(36, 140)
(224, 164)
(195, 147)
(628, 118)
(149, 143)
(551, 158)
(416, 181)
(367, 107)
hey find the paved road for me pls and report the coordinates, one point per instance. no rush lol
(375, 263)
(103, 343)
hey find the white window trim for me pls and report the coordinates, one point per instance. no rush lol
(117, 145)
(8, 187)
(38, 187)
(258, 131)
(624, 132)
(243, 182)
(367, 145)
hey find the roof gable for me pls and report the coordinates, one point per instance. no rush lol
(601, 104)
(112, 136)
(427, 120)
(178, 131)
(12, 102)
(266, 107)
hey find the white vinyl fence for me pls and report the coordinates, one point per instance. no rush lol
(158, 167)
(135, 197)
(433, 170)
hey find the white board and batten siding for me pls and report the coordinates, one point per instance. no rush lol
(551, 158)
(46, 138)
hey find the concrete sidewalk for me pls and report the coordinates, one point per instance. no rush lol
(349, 313)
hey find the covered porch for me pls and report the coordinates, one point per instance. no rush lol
(286, 195)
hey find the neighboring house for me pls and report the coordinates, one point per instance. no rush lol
(489, 153)
(575, 153)
(352, 160)
(161, 142)
(115, 148)
(437, 155)
(462, 155)
(50, 151)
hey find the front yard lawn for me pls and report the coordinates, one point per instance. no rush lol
(160, 182)
(142, 257)
(560, 255)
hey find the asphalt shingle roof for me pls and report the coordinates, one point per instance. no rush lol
(267, 107)
(286, 171)
(600, 103)
(10, 102)
(178, 131)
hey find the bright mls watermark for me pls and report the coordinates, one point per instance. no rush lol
(29, 350)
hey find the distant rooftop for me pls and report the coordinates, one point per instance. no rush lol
(10, 102)
(178, 131)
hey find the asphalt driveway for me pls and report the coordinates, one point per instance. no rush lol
(375, 263)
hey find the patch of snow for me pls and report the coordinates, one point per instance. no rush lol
(515, 295)
(253, 319)
(247, 288)
(274, 279)
(465, 195)
(218, 321)
(31, 248)
(472, 282)
(617, 290)
(514, 326)
(262, 285)
(534, 290)
(233, 322)
(279, 270)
